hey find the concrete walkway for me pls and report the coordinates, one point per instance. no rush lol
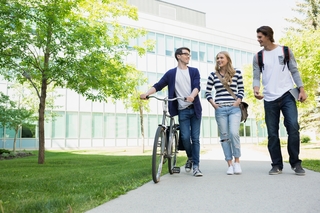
(253, 191)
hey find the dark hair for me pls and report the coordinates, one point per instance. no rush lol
(266, 31)
(179, 51)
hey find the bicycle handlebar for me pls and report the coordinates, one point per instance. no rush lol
(166, 98)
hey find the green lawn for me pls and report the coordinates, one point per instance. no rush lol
(74, 182)
(69, 181)
(311, 164)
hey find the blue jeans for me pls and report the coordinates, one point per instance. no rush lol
(287, 105)
(228, 120)
(190, 133)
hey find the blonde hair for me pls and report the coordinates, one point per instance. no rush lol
(230, 71)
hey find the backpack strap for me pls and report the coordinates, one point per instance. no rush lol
(260, 60)
(286, 55)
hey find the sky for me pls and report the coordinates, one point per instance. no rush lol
(243, 17)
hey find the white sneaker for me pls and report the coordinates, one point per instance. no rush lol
(237, 169)
(197, 172)
(230, 170)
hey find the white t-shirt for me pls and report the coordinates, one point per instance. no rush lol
(182, 86)
(276, 76)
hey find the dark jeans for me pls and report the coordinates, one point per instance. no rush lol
(287, 105)
(190, 133)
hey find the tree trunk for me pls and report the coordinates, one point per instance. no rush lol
(42, 107)
(15, 139)
(141, 125)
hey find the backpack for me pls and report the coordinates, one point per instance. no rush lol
(286, 59)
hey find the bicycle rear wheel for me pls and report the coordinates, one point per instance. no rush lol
(172, 160)
(158, 154)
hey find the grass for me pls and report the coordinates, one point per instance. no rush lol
(311, 160)
(311, 164)
(69, 182)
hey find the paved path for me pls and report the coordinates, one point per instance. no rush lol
(253, 191)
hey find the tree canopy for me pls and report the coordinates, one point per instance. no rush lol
(309, 20)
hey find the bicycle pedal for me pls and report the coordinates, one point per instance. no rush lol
(176, 169)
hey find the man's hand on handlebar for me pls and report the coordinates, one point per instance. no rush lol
(144, 96)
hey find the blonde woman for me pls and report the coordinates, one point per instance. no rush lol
(227, 111)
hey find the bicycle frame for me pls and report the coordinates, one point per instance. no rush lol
(165, 115)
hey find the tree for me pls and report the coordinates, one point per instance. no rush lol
(5, 105)
(309, 10)
(18, 117)
(305, 46)
(13, 116)
(137, 105)
(77, 44)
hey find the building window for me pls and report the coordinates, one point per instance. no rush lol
(169, 46)
(194, 50)
(85, 125)
(250, 57)
(217, 49)
(214, 127)
(59, 125)
(187, 43)
(224, 49)
(206, 131)
(237, 59)
(210, 52)
(160, 44)
(153, 122)
(232, 55)
(244, 57)
(245, 130)
(110, 125)
(133, 126)
(121, 124)
(202, 52)
(97, 125)
(177, 43)
(72, 125)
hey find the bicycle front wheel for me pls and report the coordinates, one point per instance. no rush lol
(158, 154)
(172, 161)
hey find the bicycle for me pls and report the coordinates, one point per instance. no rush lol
(166, 141)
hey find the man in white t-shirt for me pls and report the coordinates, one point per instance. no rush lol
(277, 80)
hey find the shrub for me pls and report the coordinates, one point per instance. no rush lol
(5, 155)
(4, 151)
(12, 154)
(305, 139)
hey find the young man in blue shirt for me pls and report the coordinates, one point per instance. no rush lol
(184, 81)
